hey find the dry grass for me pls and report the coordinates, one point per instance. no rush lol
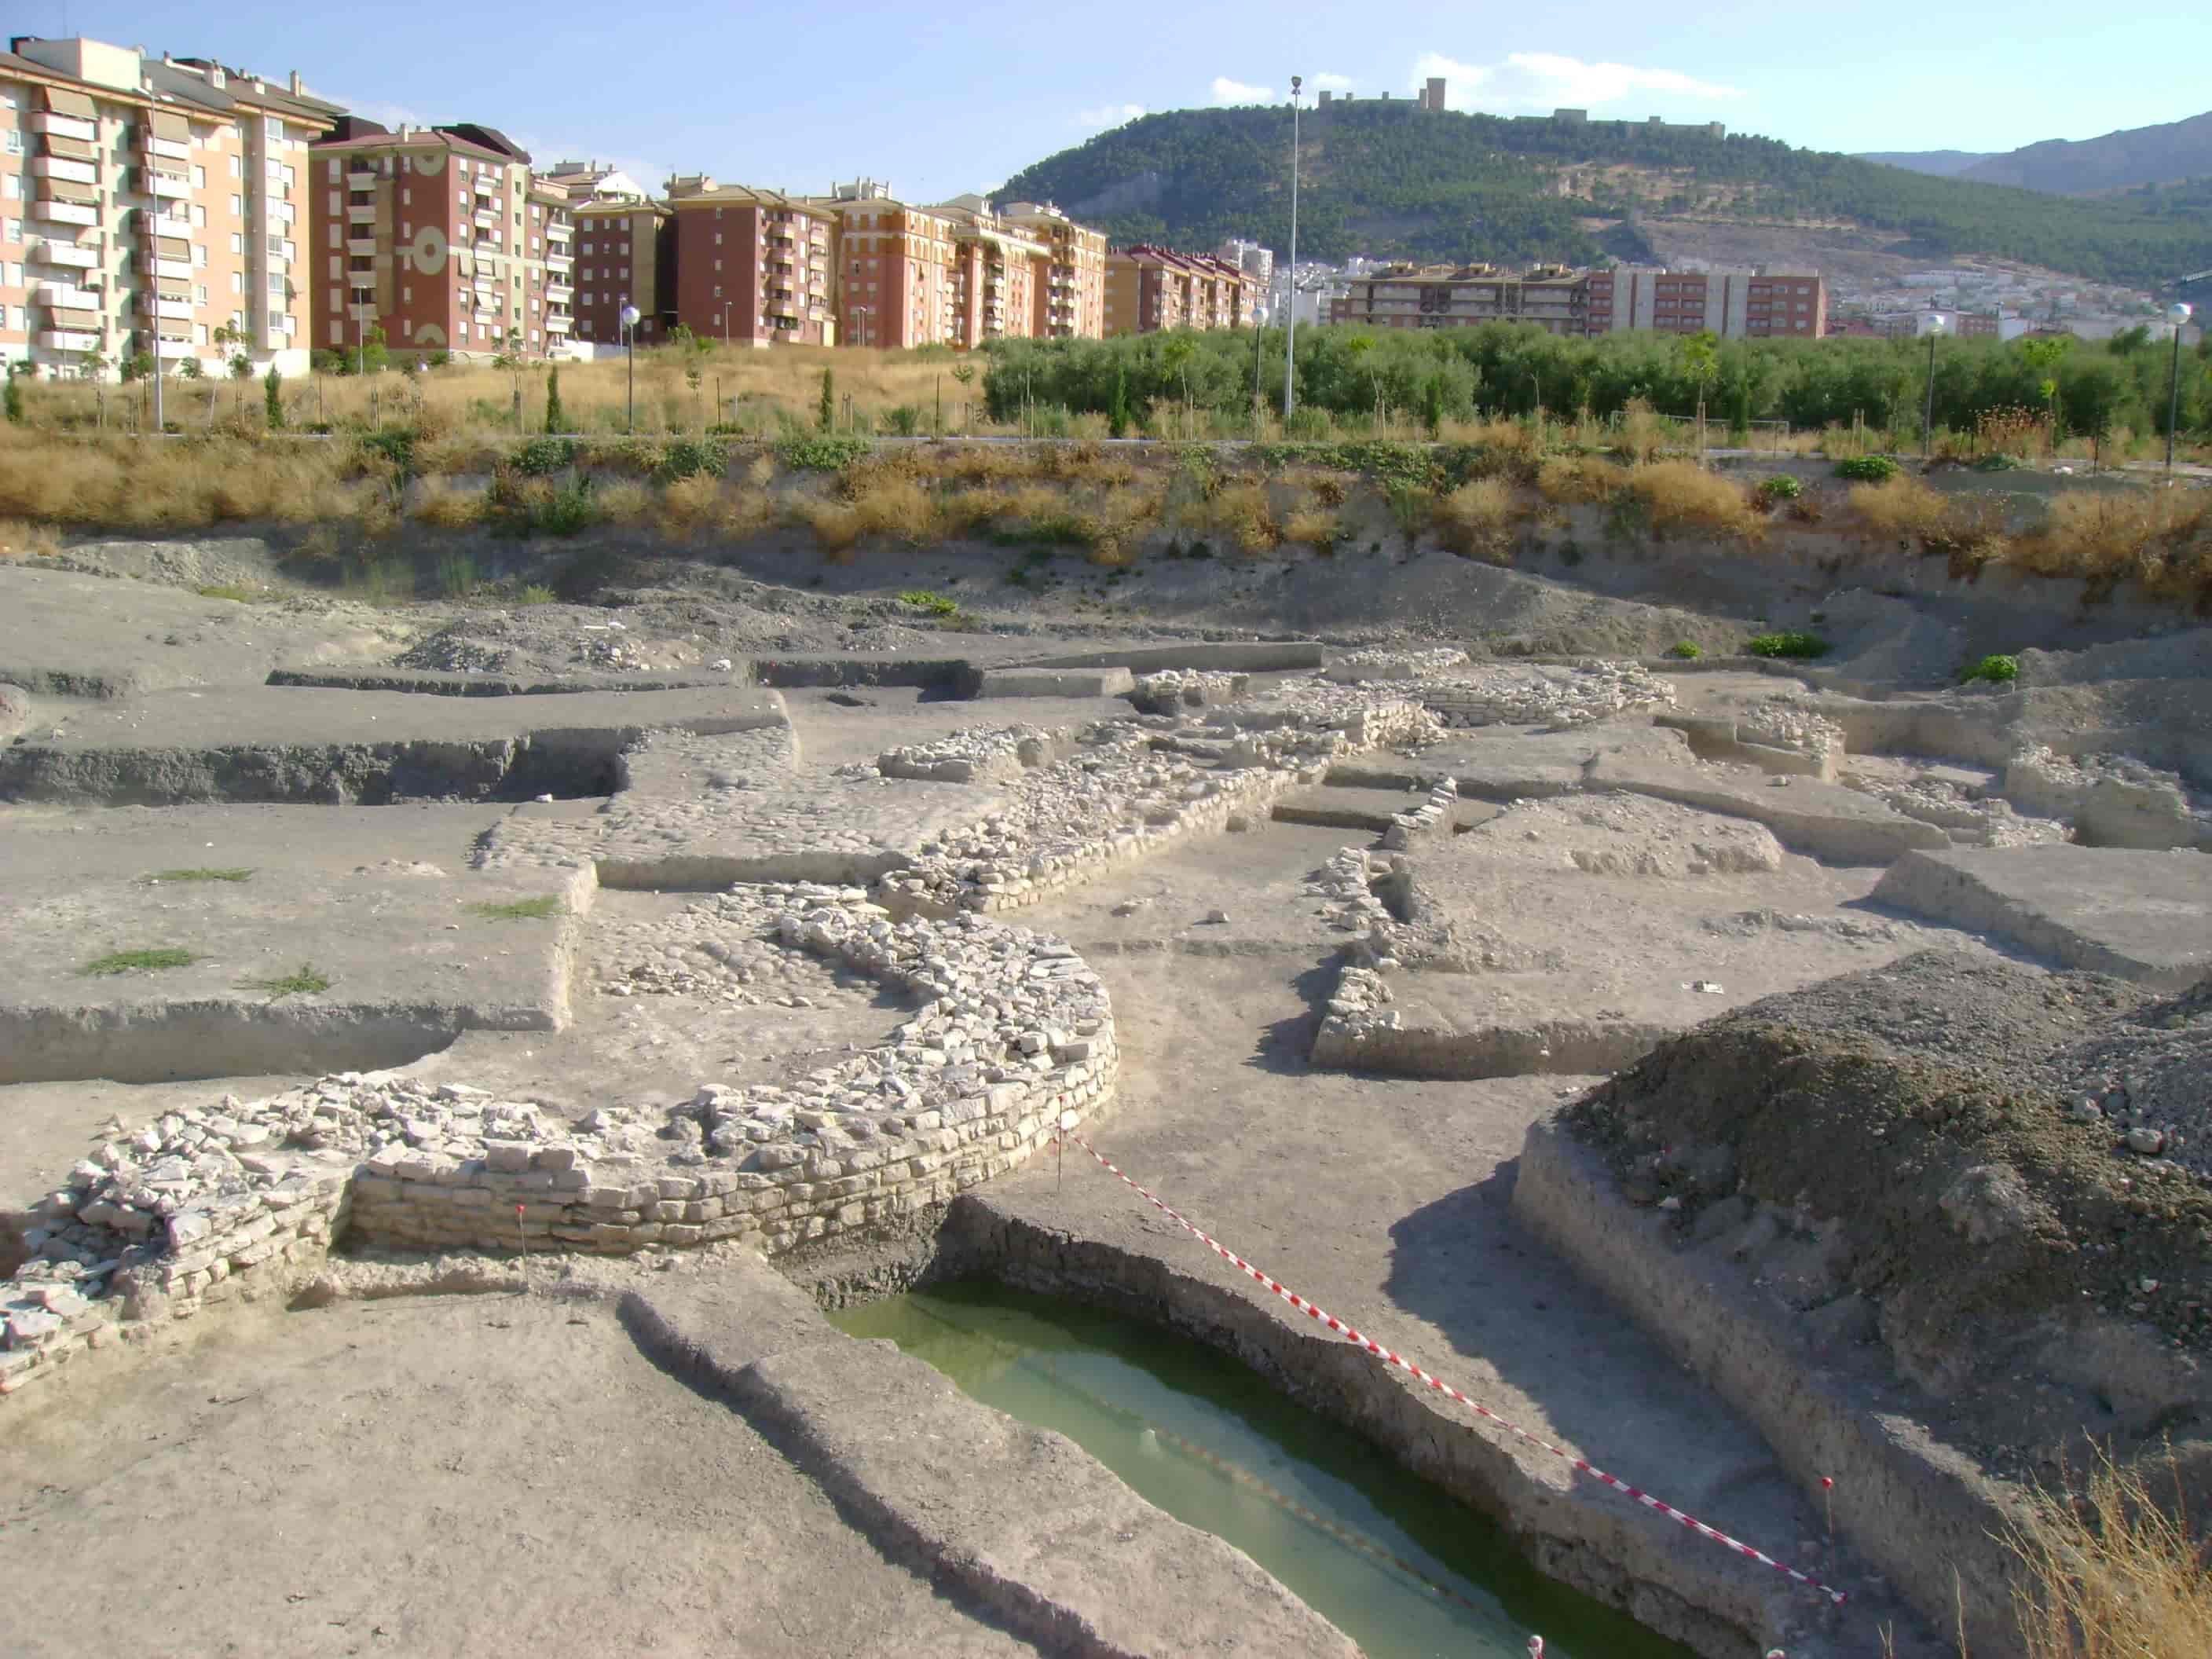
(890, 505)
(1681, 496)
(1477, 521)
(1314, 526)
(625, 502)
(690, 505)
(19, 540)
(1240, 512)
(2113, 1574)
(836, 525)
(1569, 480)
(2162, 538)
(446, 505)
(1903, 508)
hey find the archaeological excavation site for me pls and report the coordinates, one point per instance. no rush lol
(1577, 1083)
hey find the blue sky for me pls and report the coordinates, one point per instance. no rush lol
(939, 100)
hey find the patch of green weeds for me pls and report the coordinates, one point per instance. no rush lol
(137, 962)
(1796, 645)
(935, 603)
(305, 980)
(1686, 650)
(822, 454)
(543, 906)
(199, 873)
(1996, 669)
(1867, 469)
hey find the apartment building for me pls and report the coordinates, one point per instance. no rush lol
(1069, 284)
(1461, 296)
(752, 266)
(1150, 289)
(439, 237)
(1000, 273)
(894, 268)
(1735, 304)
(149, 210)
(625, 255)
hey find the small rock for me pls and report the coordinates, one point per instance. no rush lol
(2149, 1142)
(1214, 918)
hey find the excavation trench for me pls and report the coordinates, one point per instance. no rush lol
(1390, 1560)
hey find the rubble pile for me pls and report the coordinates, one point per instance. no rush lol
(978, 754)
(1545, 694)
(1381, 663)
(1170, 690)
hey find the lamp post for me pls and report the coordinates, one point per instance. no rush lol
(862, 312)
(1290, 337)
(2178, 313)
(726, 322)
(1935, 326)
(629, 316)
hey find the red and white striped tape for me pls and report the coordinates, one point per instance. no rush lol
(1445, 1388)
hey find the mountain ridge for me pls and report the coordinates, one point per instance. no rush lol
(1387, 178)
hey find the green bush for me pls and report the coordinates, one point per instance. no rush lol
(935, 603)
(904, 419)
(536, 457)
(1782, 487)
(1867, 469)
(690, 458)
(1686, 650)
(1999, 461)
(826, 454)
(1994, 669)
(395, 444)
(1794, 645)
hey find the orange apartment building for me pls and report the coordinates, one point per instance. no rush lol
(148, 206)
(1149, 288)
(894, 266)
(1071, 287)
(439, 237)
(752, 266)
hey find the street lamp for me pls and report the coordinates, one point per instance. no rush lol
(726, 322)
(1936, 324)
(862, 313)
(629, 316)
(1291, 338)
(2177, 313)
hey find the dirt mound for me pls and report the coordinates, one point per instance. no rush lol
(1897, 1151)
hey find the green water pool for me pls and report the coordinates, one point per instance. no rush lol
(1403, 1569)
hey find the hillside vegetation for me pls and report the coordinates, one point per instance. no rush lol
(1390, 179)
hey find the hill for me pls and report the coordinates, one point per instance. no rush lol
(1943, 163)
(2118, 160)
(1387, 178)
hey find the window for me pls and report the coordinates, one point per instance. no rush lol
(238, 167)
(199, 178)
(238, 207)
(237, 242)
(199, 294)
(291, 324)
(15, 230)
(587, 297)
(334, 277)
(337, 297)
(199, 216)
(199, 256)
(337, 332)
(237, 281)
(199, 333)
(587, 247)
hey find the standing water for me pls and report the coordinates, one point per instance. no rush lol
(1402, 1568)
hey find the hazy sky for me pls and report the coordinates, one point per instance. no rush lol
(942, 98)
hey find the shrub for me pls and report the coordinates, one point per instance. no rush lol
(1999, 460)
(824, 454)
(2104, 538)
(691, 503)
(1867, 469)
(536, 457)
(1993, 669)
(1903, 507)
(1566, 480)
(1476, 520)
(1797, 645)
(13, 394)
(1686, 650)
(835, 525)
(1782, 487)
(1683, 496)
(1241, 513)
(904, 419)
(935, 603)
(692, 458)
(1311, 526)
(625, 502)
(556, 418)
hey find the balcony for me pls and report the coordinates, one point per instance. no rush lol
(65, 126)
(57, 339)
(360, 246)
(175, 309)
(65, 294)
(176, 269)
(560, 325)
(559, 294)
(362, 313)
(560, 261)
(360, 179)
(487, 218)
(60, 167)
(168, 186)
(361, 213)
(65, 213)
(65, 254)
(183, 348)
(168, 149)
(560, 231)
(361, 279)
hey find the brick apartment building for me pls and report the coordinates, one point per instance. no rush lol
(1150, 289)
(893, 266)
(752, 266)
(625, 254)
(439, 237)
(146, 205)
(1733, 304)
(999, 273)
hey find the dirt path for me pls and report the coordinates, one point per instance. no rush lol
(440, 1476)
